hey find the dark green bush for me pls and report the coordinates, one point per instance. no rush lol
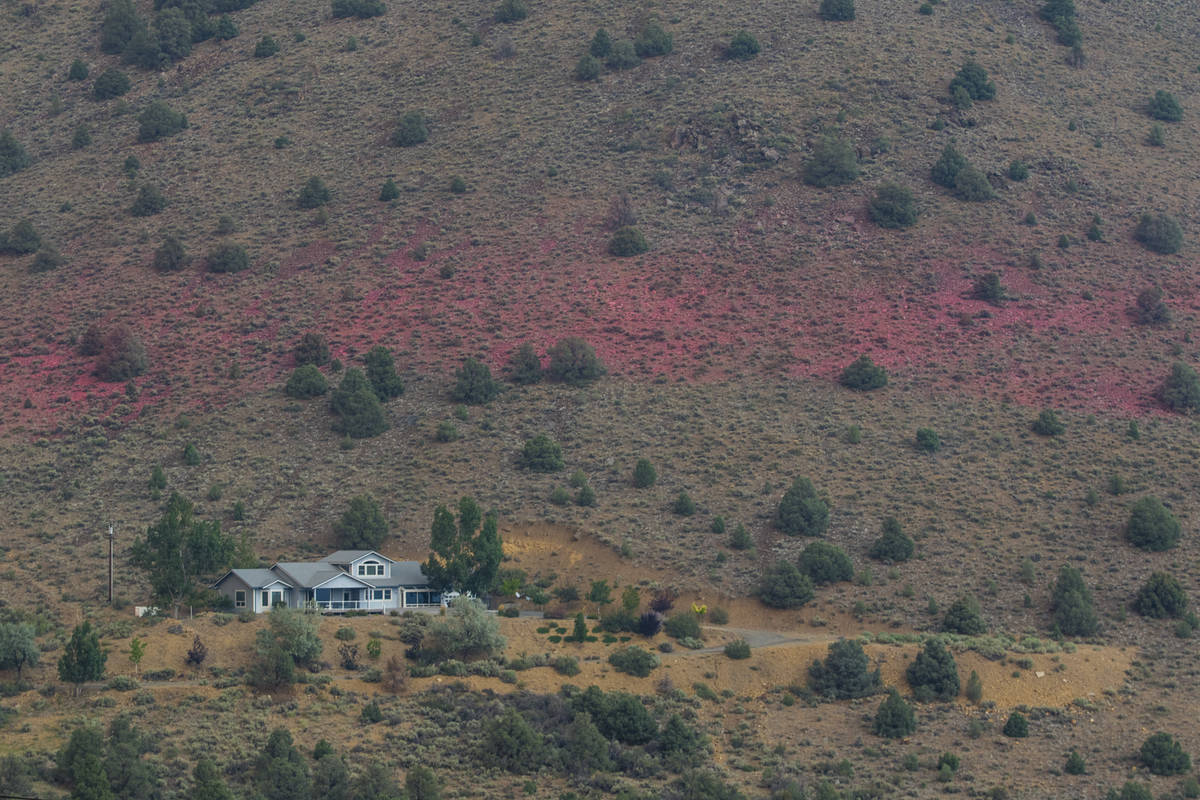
(623, 55)
(47, 259)
(1165, 107)
(1157, 137)
(601, 44)
(644, 474)
(1061, 14)
(122, 356)
(411, 130)
(1017, 726)
(473, 383)
(824, 563)
(381, 373)
(511, 11)
(1162, 595)
(81, 138)
(895, 718)
(574, 362)
(389, 191)
(313, 194)
(78, 71)
(313, 348)
(362, 9)
(1152, 526)
(306, 381)
(266, 47)
(1017, 171)
(784, 586)
(973, 79)
(1181, 390)
(743, 46)
(972, 185)
(1048, 424)
(1159, 233)
(933, 673)
(121, 22)
(362, 525)
(170, 255)
(1071, 603)
(684, 625)
(1150, 308)
(227, 257)
(844, 674)
(627, 241)
(893, 545)
(837, 10)
(226, 29)
(633, 661)
(987, 287)
(109, 84)
(357, 411)
(1075, 764)
(893, 206)
(22, 239)
(158, 121)
(174, 33)
(863, 375)
(149, 201)
(524, 366)
(653, 41)
(1131, 791)
(928, 441)
(542, 454)
(945, 170)
(737, 650)
(684, 506)
(1162, 755)
(833, 163)
(587, 68)
(964, 616)
(801, 510)
(740, 538)
(13, 157)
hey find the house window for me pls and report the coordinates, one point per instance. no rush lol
(370, 569)
(381, 594)
(239, 599)
(272, 598)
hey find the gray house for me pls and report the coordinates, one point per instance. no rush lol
(348, 580)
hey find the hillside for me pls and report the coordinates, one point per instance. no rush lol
(723, 345)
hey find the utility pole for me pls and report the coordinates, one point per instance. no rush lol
(111, 538)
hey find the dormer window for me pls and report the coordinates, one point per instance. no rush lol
(369, 569)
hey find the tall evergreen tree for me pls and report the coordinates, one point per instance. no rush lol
(463, 556)
(381, 372)
(207, 783)
(178, 549)
(280, 772)
(82, 659)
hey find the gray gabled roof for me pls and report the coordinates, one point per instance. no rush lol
(255, 578)
(311, 574)
(408, 573)
(347, 556)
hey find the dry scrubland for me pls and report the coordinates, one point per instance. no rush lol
(721, 342)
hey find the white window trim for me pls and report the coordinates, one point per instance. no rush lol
(372, 569)
(239, 598)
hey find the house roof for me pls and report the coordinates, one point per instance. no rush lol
(408, 573)
(348, 556)
(254, 578)
(310, 574)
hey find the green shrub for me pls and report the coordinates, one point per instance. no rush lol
(863, 375)
(78, 71)
(47, 259)
(972, 185)
(1071, 603)
(1061, 14)
(1152, 526)
(893, 206)
(109, 84)
(928, 441)
(895, 718)
(473, 383)
(1017, 726)
(1165, 107)
(742, 47)
(158, 121)
(22, 239)
(1161, 596)
(313, 348)
(1159, 233)
(824, 563)
(893, 545)
(737, 650)
(585, 497)
(633, 661)
(644, 474)
(412, 129)
(973, 79)
(149, 201)
(1162, 755)
(837, 10)
(357, 411)
(191, 456)
(121, 22)
(1131, 791)
(627, 241)
(13, 157)
(784, 586)
(574, 362)
(623, 55)
(601, 44)
(362, 9)
(81, 138)
(683, 625)
(447, 431)
(542, 454)
(226, 29)
(801, 511)
(587, 68)
(389, 191)
(987, 287)
(964, 616)
(511, 11)
(1048, 424)
(566, 665)
(653, 41)
(524, 366)
(381, 373)
(684, 506)
(974, 690)
(227, 257)
(306, 381)
(1150, 309)
(313, 194)
(833, 163)
(1157, 136)
(933, 673)
(1181, 389)
(1017, 171)
(844, 674)
(945, 170)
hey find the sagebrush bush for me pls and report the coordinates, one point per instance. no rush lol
(972, 185)
(634, 661)
(1164, 106)
(1160, 233)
